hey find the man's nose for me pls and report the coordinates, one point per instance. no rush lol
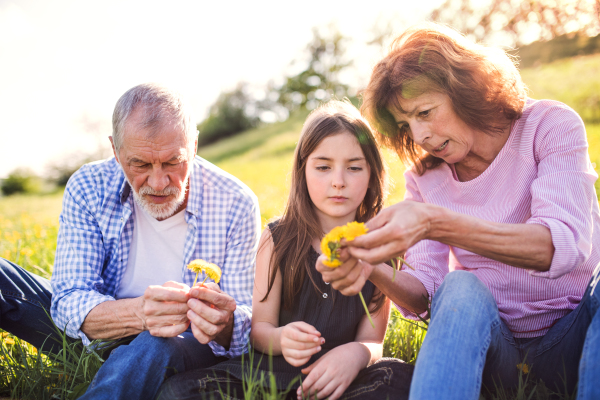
(158, 179)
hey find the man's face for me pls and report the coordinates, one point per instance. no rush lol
(156, 166)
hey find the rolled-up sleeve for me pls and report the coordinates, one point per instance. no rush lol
(563, 193)
(428, 257)
(79, 260)
(238, 273)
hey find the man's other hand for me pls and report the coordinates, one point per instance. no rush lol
(211, 314)
(164, 309)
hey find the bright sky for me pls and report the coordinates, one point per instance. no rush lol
(64, 63)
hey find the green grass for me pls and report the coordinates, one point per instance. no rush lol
(261, 158)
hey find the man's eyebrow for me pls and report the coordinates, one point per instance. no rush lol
(137, 160)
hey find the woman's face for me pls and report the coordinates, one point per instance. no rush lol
(431, 122)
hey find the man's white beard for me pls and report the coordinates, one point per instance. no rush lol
(160, 211)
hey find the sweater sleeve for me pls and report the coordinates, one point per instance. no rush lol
(428, 257)
(563, 192)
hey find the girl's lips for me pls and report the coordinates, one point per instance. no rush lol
(338, 198)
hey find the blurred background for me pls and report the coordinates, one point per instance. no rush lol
(252, 71)
(255, 66)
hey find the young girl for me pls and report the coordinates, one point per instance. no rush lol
(320, 342)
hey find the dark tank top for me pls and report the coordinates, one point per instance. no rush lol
(334, 315)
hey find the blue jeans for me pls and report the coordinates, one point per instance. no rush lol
(467, 344)
(132, 371)
(136, 370)
(25, 307)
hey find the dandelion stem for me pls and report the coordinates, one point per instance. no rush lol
(196, 278)
(366, 309)
(205, 278)
(403, 261)
(394, 268)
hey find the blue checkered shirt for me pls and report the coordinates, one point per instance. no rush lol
(96, 231)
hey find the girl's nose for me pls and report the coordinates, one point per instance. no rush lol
(338, 181)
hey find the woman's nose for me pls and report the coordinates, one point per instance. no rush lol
(420, 133)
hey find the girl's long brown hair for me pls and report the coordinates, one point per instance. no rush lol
(299, 225)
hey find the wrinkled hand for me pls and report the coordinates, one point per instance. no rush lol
(350, 277)
(393, 231)
(299, 341)
(330, 375)
(211, 314)
(164, 309)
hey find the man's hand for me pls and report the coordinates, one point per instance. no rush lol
(211, 314)
(164, 309)
(350, 277)
(299, 341)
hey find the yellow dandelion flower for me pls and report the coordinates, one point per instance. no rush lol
(211, 270)
(332, 263)
(524, 368)
(9, 340)
(331, 244)
(354, 229)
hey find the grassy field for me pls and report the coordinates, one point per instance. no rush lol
(261, 158)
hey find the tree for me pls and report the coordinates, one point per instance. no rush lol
(233, 112)
(516, 22)
(21, 180)
(320, 79)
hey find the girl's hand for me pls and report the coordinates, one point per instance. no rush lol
(299, 341)
(330, 375)
(350, 277)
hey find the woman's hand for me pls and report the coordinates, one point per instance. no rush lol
(299, 341)
(350, 277)
(393, 231)
(331, 374)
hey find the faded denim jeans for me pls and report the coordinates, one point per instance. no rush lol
(468, 344)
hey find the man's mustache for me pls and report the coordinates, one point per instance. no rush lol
(168, 191)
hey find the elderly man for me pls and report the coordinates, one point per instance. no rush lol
(128, 228)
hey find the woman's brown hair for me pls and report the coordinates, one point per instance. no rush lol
(483, 84)
(299, 225)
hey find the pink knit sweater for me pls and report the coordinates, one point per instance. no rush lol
(542, 175)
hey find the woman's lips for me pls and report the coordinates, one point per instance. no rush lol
(440, 150)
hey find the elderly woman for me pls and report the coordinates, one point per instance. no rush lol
(500, 221)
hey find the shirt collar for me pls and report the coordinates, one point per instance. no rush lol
(196, 187)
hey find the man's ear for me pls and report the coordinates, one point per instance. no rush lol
(113, 148)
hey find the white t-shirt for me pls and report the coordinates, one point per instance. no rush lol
(156, 253)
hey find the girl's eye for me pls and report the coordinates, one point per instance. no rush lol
(322, 168)
(355, 168)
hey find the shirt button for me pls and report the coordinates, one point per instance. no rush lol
(325, 295)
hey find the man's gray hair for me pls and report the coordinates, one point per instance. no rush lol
(159, 105)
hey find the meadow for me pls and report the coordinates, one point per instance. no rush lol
(261, 158)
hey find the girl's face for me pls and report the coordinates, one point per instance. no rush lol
(337, 176)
